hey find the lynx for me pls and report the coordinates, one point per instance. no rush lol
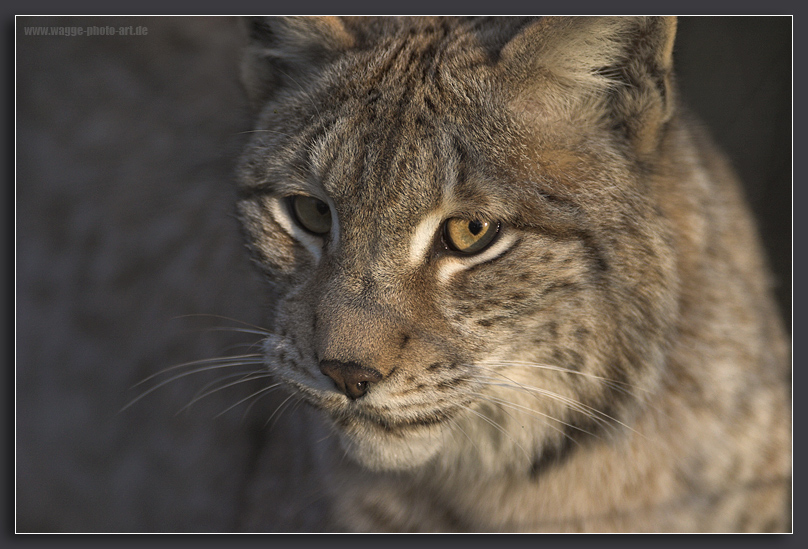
(512, 277)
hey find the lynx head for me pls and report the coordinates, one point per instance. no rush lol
(458, 217)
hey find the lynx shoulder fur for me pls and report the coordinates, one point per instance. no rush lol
(515, 281)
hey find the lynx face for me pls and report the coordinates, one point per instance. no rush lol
(465, 256)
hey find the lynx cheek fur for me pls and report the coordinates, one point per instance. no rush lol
(517, 282)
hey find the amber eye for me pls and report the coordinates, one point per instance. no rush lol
(470, 236)
(312, 214)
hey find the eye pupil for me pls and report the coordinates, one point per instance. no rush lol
(469, 236)
(311, 213)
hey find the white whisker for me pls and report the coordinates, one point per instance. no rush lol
(259, 397)
(572, 403)
(503, 402)
(220, 317)
(251, 346)
(244, 378)
(235, 329)
(496, 426)
(179, 376)
(279, 408)
(256, 393)
(262, 131)
(252, 358)
(585, 409)
(611, 382)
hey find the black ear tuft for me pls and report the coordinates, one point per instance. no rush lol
(289, 51)
(259, 30)
(613, 68)
(642, 95)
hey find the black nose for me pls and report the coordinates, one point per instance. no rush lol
(351, 378)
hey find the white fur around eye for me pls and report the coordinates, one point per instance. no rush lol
(453, 264)
(283, 217)
(423, 236)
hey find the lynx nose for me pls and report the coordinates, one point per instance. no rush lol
(351, 378)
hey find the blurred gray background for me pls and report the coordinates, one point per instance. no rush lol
(125, 155)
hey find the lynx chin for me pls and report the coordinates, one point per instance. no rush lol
(513, 278)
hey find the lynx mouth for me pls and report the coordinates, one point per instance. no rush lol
(381, 443)
(382, 437)
(349, 419)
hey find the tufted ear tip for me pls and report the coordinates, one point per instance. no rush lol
(295, 35)
(662, 36)
(281, 50)
(615, 69)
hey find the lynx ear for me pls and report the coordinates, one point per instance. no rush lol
(288, 51)
(612, 69)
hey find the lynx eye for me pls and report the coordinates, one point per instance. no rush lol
(469, 236)
(312, 214)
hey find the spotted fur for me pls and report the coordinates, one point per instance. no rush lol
(611, 362)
